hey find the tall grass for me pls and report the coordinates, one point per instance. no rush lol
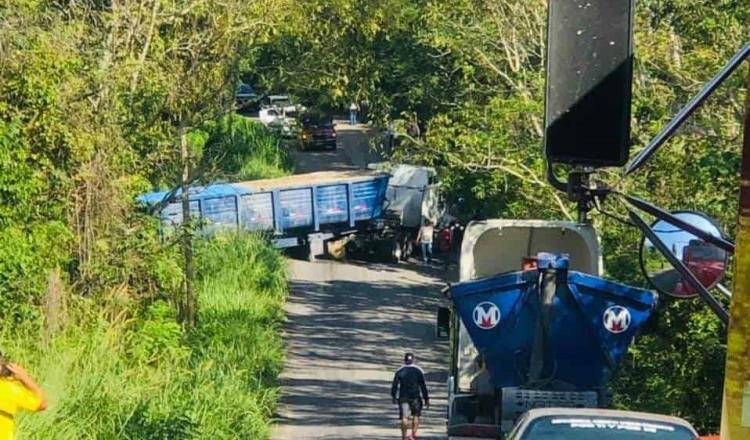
(139, 376)
(243, 149)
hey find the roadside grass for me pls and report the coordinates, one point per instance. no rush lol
(137, 375)
(243, 149)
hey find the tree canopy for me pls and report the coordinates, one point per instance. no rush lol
(96, 97)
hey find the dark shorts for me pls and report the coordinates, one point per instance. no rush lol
(414, 406)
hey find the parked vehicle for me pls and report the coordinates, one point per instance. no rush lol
(283, 104)
(316, 131)
(300, 210)
(279, 113)
(547, 329)
(285, 126)
(245, 96)
(268, 115)
(413, 194)
(599, 424)
(309, 210)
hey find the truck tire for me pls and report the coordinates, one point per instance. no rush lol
(396, 251)
(407, 248)
(309, 252)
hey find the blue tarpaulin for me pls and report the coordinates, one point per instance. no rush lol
(593, 321)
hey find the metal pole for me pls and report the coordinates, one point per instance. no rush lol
(735, 417)
(686, 111)
(661, 214)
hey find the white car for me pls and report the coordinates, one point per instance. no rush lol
(269, 115)
(277, 107)
(599, 424)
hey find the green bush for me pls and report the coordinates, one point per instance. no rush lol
(238, 148)
(140, 376)
(27, 255)
(158, 336)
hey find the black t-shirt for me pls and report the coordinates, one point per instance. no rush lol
(409, 384)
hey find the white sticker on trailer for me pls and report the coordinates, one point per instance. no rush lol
(286, 242)
(612, 424)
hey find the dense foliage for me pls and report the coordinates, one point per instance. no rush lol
(98, 99)
(95, 99)
(473, 72)
(130, 372)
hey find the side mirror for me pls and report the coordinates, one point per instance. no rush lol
(443, 323)
(707, 262)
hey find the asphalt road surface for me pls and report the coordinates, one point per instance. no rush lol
(356, 148)
(348, 326)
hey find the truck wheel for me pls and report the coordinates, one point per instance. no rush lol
(396, 252)
(310, 253)
(407, 248)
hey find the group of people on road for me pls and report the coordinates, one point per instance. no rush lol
(449, 238)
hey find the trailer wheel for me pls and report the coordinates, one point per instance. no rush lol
(310, 253)
(407, 248)
(396, 251)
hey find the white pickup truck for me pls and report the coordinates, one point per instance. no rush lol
(279, 113)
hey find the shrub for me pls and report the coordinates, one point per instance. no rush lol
(139, 376)
(243, 149)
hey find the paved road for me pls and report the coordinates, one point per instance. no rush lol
(354, 151)
(348, 326)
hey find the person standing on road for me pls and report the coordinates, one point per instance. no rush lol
(391, 134)
(353, 107)
(425, 238)
(413, 128)
(409, 392)
(18, 392)
(446, 243)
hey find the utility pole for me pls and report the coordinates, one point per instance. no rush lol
(189, 304)
(735, 416)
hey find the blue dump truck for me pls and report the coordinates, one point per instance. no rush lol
(378, 209)
(532, 324)
(298, 210)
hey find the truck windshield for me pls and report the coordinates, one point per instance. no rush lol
(604, 428)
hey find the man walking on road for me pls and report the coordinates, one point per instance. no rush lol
(408, 391)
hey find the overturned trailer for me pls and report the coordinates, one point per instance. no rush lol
(299, 210)
(549, 331)
(376, 209)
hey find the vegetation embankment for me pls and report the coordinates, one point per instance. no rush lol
(117, 364)
(129, 371)
(99, 103)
